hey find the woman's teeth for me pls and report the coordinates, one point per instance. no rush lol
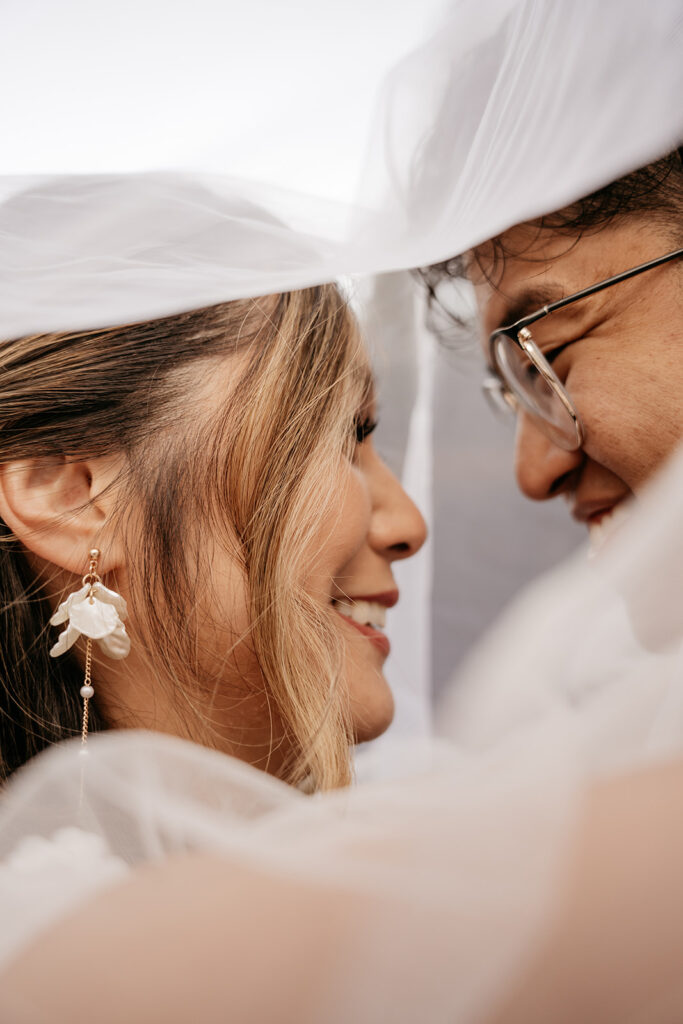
(365, 613)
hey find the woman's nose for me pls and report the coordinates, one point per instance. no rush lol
(543, 469)
(397, 528)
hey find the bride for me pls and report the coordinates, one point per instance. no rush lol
(221, 464)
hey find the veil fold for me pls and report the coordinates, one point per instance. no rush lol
(173, 158)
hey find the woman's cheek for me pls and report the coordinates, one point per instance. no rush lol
(355, 512)
(342, 532)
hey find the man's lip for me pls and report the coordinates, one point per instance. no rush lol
(593, 512)
(387, 598)
(598, 516)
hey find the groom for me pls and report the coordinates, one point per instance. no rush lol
(581, 323)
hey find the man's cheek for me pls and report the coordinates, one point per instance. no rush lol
(609, 433)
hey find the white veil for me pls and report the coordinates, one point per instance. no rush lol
(171, 155)
(146, 169)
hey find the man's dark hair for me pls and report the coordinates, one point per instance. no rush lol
(655, 189)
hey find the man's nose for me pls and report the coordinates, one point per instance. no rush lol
(543, 469)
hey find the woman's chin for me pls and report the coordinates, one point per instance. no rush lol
(372, 710)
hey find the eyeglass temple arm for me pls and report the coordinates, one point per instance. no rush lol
(591, 290)
(624, 276)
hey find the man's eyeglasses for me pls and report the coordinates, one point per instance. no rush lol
(521, 376)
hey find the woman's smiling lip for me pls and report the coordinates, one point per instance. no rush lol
(388, 598)
(375, 636)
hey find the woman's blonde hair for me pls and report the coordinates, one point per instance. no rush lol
(258, 473)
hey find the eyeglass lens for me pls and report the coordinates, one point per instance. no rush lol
(534, 392)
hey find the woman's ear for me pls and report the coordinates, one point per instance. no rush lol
(60, 509)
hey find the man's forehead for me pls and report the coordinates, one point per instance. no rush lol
(526, 269)
(498, 308)
(533, 264)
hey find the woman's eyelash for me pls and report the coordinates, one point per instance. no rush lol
(364, 427)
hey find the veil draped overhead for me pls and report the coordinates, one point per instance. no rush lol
(161, 157)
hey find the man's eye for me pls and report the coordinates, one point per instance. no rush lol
(363, 428)
(552, 354)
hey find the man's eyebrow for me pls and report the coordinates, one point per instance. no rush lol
(529, 300)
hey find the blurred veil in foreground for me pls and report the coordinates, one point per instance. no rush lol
(161, 157)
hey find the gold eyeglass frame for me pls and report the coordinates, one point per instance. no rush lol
(497, 387)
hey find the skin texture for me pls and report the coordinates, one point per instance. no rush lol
(623, 368)
(373, 523)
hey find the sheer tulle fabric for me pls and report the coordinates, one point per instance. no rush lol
(595, 648)
(273, 152)
(424, 864)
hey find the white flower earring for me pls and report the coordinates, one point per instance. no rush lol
(96, 613)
